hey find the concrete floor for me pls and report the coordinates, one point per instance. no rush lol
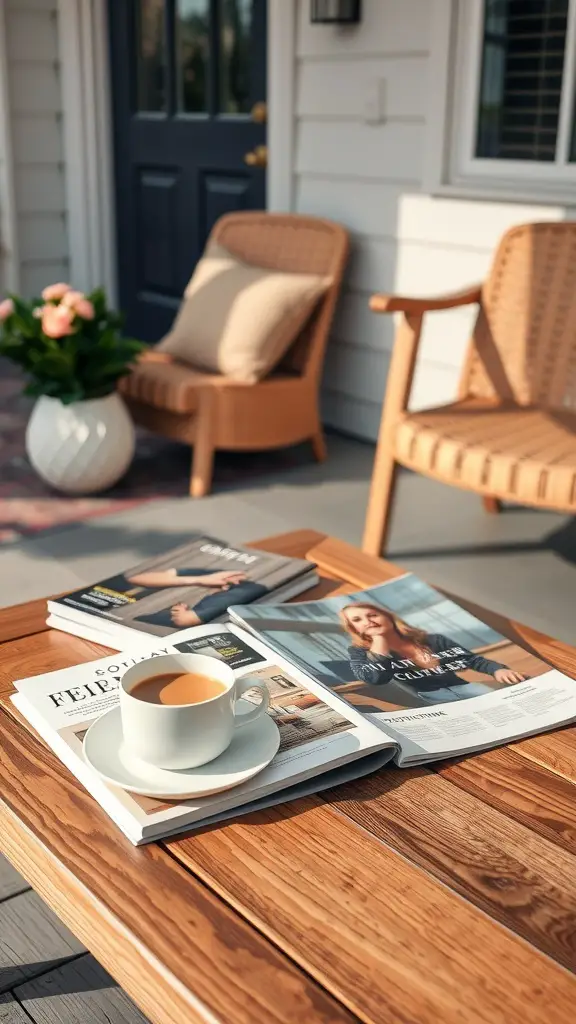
(521, 563)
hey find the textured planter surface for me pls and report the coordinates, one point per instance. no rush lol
(80, 448)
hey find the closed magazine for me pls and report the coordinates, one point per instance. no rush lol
(190, 585)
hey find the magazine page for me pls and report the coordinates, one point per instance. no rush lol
(318, 732)
(188, 586)
(432, 675)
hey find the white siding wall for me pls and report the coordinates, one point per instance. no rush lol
(35, 102)
(368, 176)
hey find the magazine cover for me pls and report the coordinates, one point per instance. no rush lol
(188, 586)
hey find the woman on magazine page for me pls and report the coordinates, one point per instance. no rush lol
(385, 649)
(223, 586)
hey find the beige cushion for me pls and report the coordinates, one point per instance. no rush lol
(238, 319)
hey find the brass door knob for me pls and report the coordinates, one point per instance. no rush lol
(259, 112)
(257, 157)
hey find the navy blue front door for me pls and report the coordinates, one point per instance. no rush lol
(188, 95)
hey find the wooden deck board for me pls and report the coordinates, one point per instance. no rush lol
(82, 992)
(11, 1012)
(11, 883)
(32, 940)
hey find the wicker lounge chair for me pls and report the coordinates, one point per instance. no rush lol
(511, 435)
(209, 411)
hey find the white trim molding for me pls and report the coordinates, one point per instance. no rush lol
(85, 75)
(281, 58)
(9, 255)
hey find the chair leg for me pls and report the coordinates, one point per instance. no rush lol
(379, 514)
(492, 505)
(319, 445)
(202, 453)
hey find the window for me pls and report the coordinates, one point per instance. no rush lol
(514, 111)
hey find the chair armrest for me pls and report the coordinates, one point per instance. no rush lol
(401, 303)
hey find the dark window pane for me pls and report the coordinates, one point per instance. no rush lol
(193, 45)
(151, 56)
(235, 36)
(521, 84)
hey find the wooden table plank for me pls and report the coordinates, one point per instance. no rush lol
(23, 619)
(555, 751)
(44, 652)
(521, 789)
(180, 952)
(383, 936)
(510, 872)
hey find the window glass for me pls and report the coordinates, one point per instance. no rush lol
(193, 48)
(521, 82)
(150, 56)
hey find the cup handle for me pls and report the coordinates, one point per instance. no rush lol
(251, 684)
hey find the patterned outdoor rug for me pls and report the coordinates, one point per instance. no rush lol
(160, 470)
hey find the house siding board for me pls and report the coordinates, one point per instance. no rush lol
(370, 178)
(38, 154)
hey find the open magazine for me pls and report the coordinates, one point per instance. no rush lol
(323, 741)
(435, 678)
(397, 672)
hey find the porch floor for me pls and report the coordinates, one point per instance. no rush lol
(522, 563)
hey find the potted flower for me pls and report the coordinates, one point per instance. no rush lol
(80, 438)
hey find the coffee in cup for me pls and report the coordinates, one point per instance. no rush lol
(178, 688)
(179, 710)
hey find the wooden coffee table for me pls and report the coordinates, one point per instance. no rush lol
(430, 897)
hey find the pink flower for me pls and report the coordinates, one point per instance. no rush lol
(57, 321)
(85, 309)
(6, 309)
(78, 302)
(71, 298)
(55, 291)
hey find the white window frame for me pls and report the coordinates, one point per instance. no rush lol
(453, 168)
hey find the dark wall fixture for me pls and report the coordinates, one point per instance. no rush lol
(335, 12)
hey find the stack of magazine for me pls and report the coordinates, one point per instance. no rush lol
(394, 673)
(188, 586)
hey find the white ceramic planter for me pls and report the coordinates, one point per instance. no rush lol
(80, 448)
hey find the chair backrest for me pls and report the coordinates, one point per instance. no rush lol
(296, 244)
(523, 348)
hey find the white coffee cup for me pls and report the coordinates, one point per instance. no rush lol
(180, 736)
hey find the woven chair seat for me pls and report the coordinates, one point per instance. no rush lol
(169, 386)
(507, 451)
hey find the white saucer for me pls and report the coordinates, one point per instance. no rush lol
(252, 748)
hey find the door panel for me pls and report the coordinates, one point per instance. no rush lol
(188, 86)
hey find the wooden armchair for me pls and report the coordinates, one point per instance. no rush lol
(511, 435)
(209, 411)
